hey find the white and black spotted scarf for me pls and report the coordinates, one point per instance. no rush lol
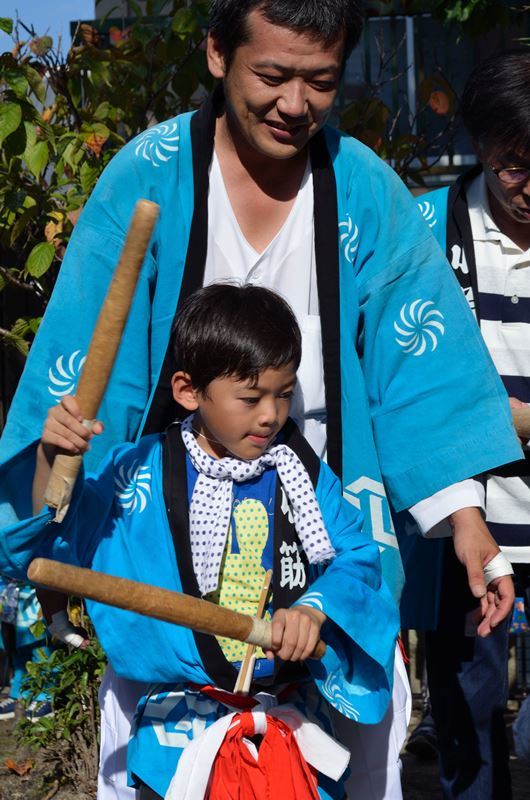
(211, 504)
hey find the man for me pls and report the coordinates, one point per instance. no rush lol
(256, 186)
(483, 223)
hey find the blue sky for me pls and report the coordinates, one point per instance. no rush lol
(51, 16)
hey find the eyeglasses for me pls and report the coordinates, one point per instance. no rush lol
(512, 175)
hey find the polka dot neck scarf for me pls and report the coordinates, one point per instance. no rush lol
(211, 504)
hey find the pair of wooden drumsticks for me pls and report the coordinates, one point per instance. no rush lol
(189, 612)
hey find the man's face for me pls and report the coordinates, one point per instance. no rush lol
(512, 198)
(279, 88)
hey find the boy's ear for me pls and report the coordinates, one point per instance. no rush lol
(183, 391)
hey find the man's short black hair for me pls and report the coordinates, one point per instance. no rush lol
(325, 20)
(225, 330)
(496, 103)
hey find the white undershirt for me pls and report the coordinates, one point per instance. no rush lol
(283, 267)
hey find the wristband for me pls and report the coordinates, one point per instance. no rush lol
(62, 629)
(498, 567)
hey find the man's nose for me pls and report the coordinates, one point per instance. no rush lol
(293, 99)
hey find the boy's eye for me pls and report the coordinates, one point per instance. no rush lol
(286, 395)
(251, 401)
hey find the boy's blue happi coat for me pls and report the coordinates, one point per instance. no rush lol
(120, 522)
(413, 401)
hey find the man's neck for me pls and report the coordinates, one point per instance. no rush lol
(517, 232)
(278, 178)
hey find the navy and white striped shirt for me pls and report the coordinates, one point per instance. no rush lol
(503, 277)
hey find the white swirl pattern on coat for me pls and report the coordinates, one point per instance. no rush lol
(333, 691)
(63, 378)
(420, 324)
(349, 238)
(133, 487)
(159, 144)
(428, 212)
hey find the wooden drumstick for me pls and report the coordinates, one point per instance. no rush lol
(151, 601)
(104, 348)
(244, 678)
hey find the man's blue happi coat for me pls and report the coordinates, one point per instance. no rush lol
(414, 403)
(121, 521)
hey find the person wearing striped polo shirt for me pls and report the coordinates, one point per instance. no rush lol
(483, 223)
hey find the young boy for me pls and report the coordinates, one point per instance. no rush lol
(206, 509)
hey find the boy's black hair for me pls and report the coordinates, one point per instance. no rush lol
(325, 20)
(224, 330)
(496, 103)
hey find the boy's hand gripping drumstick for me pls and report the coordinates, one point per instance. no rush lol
(104, 347)
(151, 601)
(244, 678)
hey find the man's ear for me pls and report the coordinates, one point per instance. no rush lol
(215, 57)
(183, 391)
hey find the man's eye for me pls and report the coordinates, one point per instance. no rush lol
(272, 80)
(323, 86)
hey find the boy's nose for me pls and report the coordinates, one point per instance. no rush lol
(268, 413)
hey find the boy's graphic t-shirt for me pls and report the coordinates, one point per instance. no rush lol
(248, 555)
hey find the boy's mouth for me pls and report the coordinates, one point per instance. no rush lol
(258, 439)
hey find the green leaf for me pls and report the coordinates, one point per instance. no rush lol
(38, 629)
(36, 157)
(88, 176)
(102, 111)
(22, 221)
(10, 119)
(40, 259)
(16, 80)
(184, 23)
(37, 84)
(6, 25)
(16, 142)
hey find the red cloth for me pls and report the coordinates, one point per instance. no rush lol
(280, 772)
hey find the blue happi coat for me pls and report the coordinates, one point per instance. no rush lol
(131, 519)
(414, 403)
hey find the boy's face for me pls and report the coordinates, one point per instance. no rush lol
(234, 416)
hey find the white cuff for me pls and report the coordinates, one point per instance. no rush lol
(431, 514)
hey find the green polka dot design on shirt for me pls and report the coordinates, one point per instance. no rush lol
(242, 574)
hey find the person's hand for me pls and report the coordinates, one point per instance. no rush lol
(515, 403)
(62, 629)
(64, 429)
(474, 548)
(295, 632)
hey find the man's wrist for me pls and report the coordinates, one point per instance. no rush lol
(464, 517)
